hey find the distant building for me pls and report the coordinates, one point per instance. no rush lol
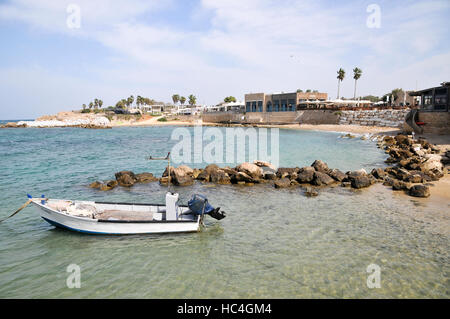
(434, 99)
(283, 102)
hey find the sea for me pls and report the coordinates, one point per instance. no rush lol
(274, 243)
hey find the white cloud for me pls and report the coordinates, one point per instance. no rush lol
(255, 45)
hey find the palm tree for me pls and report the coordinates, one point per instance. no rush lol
(96, 103)
(175, 98)
(357, 72)
(138, 100)
(340, 77)
(192, 99)
(100, 103)
(91, 105)
(130, 100)
(84, 106)
(182, 100)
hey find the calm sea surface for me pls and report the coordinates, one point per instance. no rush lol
(273, 243)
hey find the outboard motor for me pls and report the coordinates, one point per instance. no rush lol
(199, 205)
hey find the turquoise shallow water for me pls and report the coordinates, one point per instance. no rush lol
(274, 243)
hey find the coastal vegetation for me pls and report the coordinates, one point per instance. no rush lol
(357, 72)
(340, 77)
(229, 99)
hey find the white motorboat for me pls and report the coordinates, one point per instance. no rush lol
(108, 218)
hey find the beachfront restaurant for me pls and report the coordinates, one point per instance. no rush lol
(434, 99)
(283, 102)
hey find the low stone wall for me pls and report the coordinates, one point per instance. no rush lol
(304, 117)
(390, 117)
(435, 122)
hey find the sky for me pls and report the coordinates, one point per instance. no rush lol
(57, 54)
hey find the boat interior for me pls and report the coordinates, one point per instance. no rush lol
(118, 211)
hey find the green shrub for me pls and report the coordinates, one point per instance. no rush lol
(86, 111)
(162, 119)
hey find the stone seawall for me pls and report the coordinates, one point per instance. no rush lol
(389, 118)
(435, 122)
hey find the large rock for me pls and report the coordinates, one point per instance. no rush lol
(402, 139)
(264, 164)
(145, 178)
(322, 179)
(320, 166)
(432, 162)
(399, 185)
(288, 172)
(306, 174)
(250, 169)
(242, 177)
(378, 173)
(182, 176)
(96, 184)
(419, 191)
(204, 175)
(112, 184)
(337, 175)
(282, 183)
(126, 178)
(220, 177)
(360, 181)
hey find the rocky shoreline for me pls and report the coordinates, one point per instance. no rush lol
(415, 163)
(64, 119)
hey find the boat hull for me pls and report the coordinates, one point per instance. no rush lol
(114, 227)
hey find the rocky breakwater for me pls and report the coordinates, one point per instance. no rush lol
(417, 163)
(124, 179)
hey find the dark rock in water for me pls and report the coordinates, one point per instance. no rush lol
(320, 166)
(352, 174)
(402, 139)
(203, 176)
(419, 191)
(389, 140)
(270, 175)
(399, 185)
(105, 188)
(361, 181)
(211, 167)
(220, 177)
(306, 174)
(283, 172)
(126, 178)
(378, 173)
(282, 183)
(96, 184)
(401, 174)
(145, 178)
(311, 192)
(321, 179)
(337, 175)
(112, 183)
(242, 177)
(164, 181)
(196, 172)
(414, 178)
